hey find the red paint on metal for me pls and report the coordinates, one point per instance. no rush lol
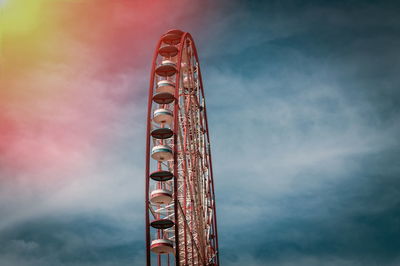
(149, 104)
(191, 150)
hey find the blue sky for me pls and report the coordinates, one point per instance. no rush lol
(303, 105)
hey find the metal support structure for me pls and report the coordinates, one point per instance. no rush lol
(181, 224)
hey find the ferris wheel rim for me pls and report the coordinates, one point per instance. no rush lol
(165, 69)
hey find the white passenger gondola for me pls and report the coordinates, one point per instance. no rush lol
(166, 86)
(162, 153)
(165, 92)
(160, 196)
(162, 246)
(163, 116)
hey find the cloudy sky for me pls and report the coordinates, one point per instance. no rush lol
(303, 102)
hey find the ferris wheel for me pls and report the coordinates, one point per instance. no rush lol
(181, 223)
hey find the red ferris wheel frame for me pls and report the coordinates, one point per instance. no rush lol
(180, 211)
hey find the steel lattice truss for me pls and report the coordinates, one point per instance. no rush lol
(181, 226)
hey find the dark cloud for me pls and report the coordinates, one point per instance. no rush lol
(81, 240)
(356, 221)
(309, 94)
